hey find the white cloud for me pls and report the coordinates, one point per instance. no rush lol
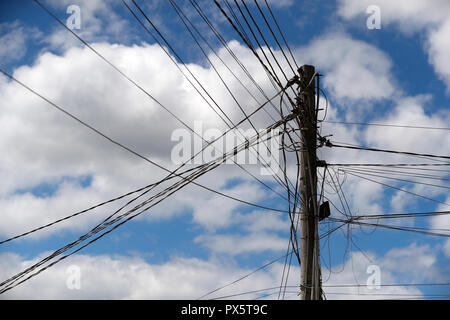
(442, 222)
(447, 248)
(367, 197)
(262, 221)
(234, 244)
(423, 258)
(101, 98)
(408, 15)
(45, 146)
(121, 277)
(439, 51)
(431, 17)
(353, 69)
(216, 211)
(395, 268)
(281, 3)
(99, 22)
(14, 39)
(411, 111)
(132, 278)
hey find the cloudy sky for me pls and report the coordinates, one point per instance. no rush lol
(196, 241)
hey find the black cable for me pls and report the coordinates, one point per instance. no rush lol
(224, 63)
(277, 80)
(238, 22)
(179, 58)
(332, 293)
(272, 73)
(274, 36)
(248, 44)
(281, 33)
(389, 285)
(244, 276)
(386, 171)
(399, 189)
(182, 17)
(91, 208)
(387, 125)
(293, 227)
(199, 10)
(138, 86)
(390, 165)
(275, 176)
(393, 227)
(166, 193)
(115, 142)
(388, 151)
(397, 179)
(402, 215)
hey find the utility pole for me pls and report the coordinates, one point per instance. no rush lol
(309, 213)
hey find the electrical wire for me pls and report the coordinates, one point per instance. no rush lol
(244, 276)
(388, 125)
(139, 87)
(397, 179)
(399, 189)
(182, 18)
(15, 280)
(389, 151)
(275, 176)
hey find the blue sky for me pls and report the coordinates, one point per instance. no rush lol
(53, 167)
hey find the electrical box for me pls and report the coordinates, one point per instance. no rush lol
(324, 210)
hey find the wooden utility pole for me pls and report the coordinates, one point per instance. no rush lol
(309, 213)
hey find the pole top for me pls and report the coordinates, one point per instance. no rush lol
(305, 69)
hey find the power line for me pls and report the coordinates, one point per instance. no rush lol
(221, 59)
(389, 165)
(11, 282)
(245, 276)
(205, 18)
(281, 33)
(413, 172)
(247, 292)
(389, 285)
(114, 141)
(203, 169)
(79, 213)
(343, 293)
(146, 92)
(437, 296)
(276, 78)
(115, 199)
(393, 227)
(397, 179)
(238, 22)
(402, 215)
(275, 176)
(387, 125)
(182, 18)
(264, 40)
(390, 294)
(180, 59)
(332, 145)
(273, 76)
(399, 189)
